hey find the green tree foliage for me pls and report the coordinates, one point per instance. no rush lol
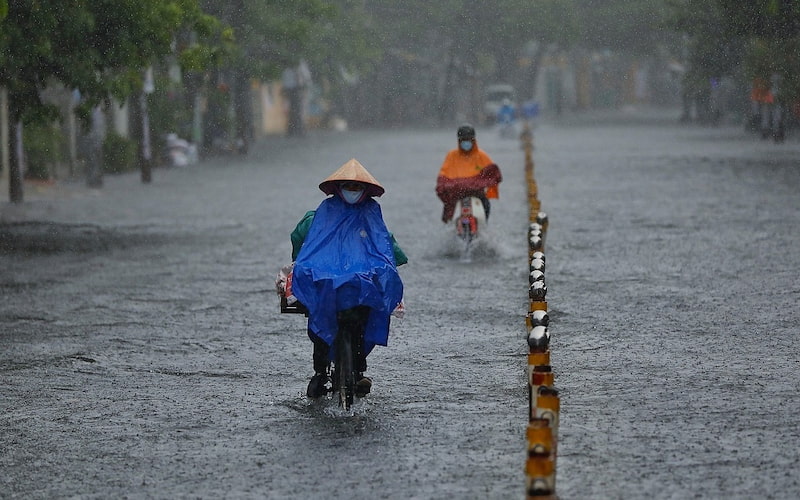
(438, 50)
(344, 41)
(466, 44)
(712, 50)
(119, 154)
(270, 34)
(98, 47)
(630, 26)
(771, 29)
(759, 37)
(484, 37)
(766, 19)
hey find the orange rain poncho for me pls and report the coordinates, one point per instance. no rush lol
(761, 92)
(465, 173)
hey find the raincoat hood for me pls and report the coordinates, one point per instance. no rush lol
(352, 171)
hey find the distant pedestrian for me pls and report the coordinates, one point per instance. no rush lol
(762, 100)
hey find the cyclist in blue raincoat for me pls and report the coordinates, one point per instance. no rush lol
(346, 270)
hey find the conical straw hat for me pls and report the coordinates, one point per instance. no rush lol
(352, 171)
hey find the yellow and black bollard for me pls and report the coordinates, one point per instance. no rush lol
(540, 474)
(544, 403)
(537, 292)
(542, 220)
(537, 262)
(535, 240)
(537, 359)
(548, 407)
(541, 379)
(540, 468)
(540, 438)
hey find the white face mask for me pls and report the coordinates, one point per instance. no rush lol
(352, 196)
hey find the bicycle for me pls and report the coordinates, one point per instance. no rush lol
(348, 347)
(348, 350)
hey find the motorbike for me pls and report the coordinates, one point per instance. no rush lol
(470, 218)
(507, 122)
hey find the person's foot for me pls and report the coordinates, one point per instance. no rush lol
(318, 385)
(363, 385)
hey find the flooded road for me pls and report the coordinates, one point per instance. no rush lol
(142, 353)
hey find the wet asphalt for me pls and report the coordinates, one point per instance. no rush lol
(142, 354)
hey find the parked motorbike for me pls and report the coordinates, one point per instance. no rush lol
(180, 152)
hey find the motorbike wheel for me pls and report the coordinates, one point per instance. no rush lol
(467, 233)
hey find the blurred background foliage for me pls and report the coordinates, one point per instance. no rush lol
(101, 46)
(375, 62)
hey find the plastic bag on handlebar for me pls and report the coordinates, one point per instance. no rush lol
(400, 310)
(283, 283)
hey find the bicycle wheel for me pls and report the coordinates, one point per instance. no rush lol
(343, 366)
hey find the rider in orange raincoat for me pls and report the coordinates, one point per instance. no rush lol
(467, 171)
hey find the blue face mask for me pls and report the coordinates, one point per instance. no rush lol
(466, 145)
(352, 196)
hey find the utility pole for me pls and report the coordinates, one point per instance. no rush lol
(147, 150)
(3, 135)
(72, 128)
(94, 172)
(15, 191)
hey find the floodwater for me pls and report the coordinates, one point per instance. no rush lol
(142, 353)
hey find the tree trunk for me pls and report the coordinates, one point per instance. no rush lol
(446, 98)
(193, 98)
(146, 151)
(244, 111)
(295, 124)
(4, 138)
(533, 73)
(15, 165)
(94, 171)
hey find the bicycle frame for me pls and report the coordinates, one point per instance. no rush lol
(342, 375)
(349, 336)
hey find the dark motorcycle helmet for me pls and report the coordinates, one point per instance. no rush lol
(466, 132)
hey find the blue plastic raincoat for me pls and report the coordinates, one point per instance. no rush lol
(347, 260)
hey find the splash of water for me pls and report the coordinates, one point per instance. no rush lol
(489, 246)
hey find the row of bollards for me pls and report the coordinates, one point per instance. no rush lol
(543, 400)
